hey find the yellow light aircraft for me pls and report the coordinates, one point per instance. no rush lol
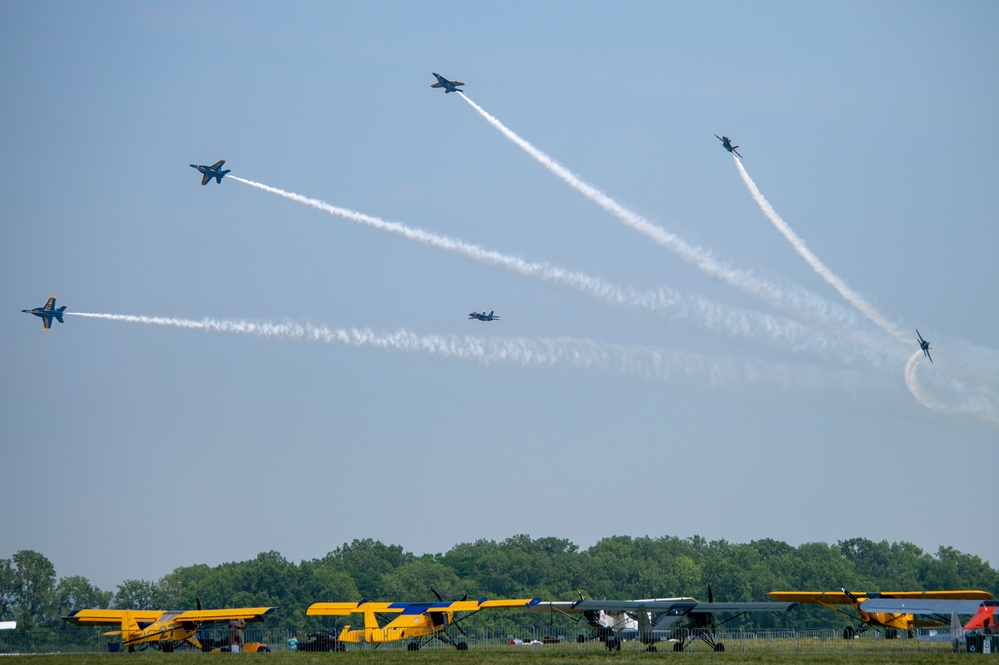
(418, 622)
(167, 630)
(891, 622)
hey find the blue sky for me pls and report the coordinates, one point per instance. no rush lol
(132, 449)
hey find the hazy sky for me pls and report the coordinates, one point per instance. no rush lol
(667, 362)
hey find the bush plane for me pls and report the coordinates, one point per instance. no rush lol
(166, 630)
(984, 615)
(678, 620)
(727, 144)
(209, 172)
(892, 622)
(418, 622)
(482, 316)
(47, 313)
(924, 345)
(449, 86)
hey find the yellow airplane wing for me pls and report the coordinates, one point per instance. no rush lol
(212, 616)
(473, 605)
(343, 609)
(842, 598)
(110, 617)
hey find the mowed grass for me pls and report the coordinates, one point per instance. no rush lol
(443, 657)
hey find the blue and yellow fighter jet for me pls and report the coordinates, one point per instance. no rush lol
(727, 144)
(482, 316)
(48, 313)
(209, 172)
(449, 86)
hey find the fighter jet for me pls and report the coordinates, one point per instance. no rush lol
(48, 312)
(924, 345)
(209, 172)
(449, 86)
(727, 144)
(482, 316)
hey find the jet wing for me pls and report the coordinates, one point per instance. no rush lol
(110, 617)
(217, 165)
(47, 322)
(437, 85)
(51, 303)
(920, 606)
(205, 179)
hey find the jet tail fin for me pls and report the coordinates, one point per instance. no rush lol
(58, 314)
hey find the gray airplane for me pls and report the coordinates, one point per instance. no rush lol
(449, 86)
(209, 172)
(727, 144)
(47, 313)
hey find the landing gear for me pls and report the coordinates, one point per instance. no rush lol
(848, 633)
(677, 646)
(613, 644)
(461, 646)
(413, 646)
(719, 647)
(891, 634)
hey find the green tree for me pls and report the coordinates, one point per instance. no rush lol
(34, 584)
(77, 593)
(136, 595)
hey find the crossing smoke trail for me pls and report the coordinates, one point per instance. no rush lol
(667, 302)
(980, 407)
(780, 296)
(646, 362)
(849, 294)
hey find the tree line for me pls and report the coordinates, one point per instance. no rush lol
(619, 567)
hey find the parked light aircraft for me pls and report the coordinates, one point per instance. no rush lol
(47, 313)
(727, 144)
(892, 622)
(984, 615)
(482, 316)
(209, 172)
(417, 622)
(679, 620)
(449, 86)
(166, 630)
(924, 345)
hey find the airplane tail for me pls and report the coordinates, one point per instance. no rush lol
(58, 314)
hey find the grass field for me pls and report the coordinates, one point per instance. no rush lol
(441, 657)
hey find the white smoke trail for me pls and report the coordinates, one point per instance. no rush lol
(802, 302)
(665, 302)
(849, 294)
(646, 362)
(980, 403)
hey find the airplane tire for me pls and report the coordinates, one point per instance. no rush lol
(462, 646)
(580, 638)
(652, 648)
(891, 633)
(719, 647)
(412, 646)
(677, 646)
(848, 633)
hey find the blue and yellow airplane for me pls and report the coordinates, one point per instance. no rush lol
(482, 316)
(417, 622)
(727, 144)
(48, 313)
(924, 345)
(209, 172)
(449, 86)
